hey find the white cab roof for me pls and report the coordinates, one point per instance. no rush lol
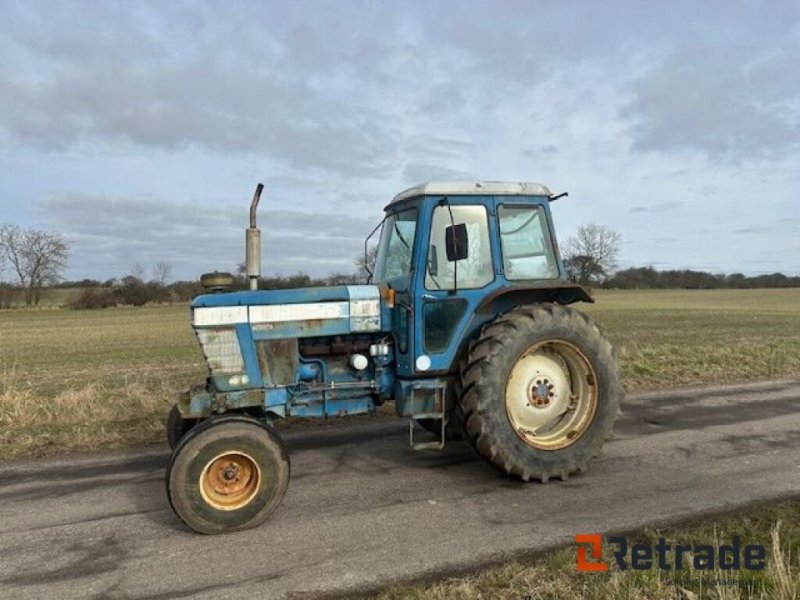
(463, 188)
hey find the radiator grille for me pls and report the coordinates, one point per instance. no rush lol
(222, 351)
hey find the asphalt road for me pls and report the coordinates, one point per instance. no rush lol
(363, 509)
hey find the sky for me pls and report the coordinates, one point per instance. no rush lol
(139, 130)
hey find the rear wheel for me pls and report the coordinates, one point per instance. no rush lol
(228, 473)
(541, 392)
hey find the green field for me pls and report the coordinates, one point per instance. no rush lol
(673, 338)
(90, 379)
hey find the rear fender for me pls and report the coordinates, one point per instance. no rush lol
(504, 300)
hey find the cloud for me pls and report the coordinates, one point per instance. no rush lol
(754, 230)
(732, 103)
(109, 234)
(419, 173)
(547, 149)
(660, 207)
(178, 83)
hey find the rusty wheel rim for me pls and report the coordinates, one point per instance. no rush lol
(230, 481)
(551, 395)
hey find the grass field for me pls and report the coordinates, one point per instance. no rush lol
(92, 379)
(672, 338)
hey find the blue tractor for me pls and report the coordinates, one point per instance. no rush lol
(466, 326)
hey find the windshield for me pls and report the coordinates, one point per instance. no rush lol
(393, 263)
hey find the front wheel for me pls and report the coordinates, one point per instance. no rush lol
(177, 426)
(228, 473)
(541, 392)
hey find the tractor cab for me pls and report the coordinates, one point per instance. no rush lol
(451, 251)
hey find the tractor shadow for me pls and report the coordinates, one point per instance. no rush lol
(366, 453)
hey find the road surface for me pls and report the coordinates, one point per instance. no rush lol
(363, 510)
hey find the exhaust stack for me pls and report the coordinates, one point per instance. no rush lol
(253, 242)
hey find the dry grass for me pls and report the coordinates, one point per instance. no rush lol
(554, 575)
(86, 380)
(91, 379)
(90, 417)
(671, 338)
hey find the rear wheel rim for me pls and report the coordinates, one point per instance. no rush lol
(551, 395)
(230, 480)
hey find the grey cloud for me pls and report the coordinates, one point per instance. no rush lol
(757, 230)
(110, 234)
(437, 147)
(419, 172)
(127, 85)
(730, 103)
(442, 98)
(662, 206)
(313, 92)
(542, 151)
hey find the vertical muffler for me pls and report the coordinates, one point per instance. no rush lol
(253, 242)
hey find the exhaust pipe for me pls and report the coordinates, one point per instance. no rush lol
(253, 242)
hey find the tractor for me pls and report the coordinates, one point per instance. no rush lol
(466, 325)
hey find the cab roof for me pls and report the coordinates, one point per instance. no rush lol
(476, 188)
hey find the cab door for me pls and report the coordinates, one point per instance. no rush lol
(458, 268)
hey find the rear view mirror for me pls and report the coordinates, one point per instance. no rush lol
(456, 242)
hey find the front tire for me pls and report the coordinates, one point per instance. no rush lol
(228, 473)
(541, 392)
(177, 427)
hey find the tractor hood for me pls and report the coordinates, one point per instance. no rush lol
(304, 312)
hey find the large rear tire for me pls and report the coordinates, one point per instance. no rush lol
(541, 392)
(228, 473)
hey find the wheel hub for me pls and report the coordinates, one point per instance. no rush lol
(230, 481)
(550, 395)
(541, 393)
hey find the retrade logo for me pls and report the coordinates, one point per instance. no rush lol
(642, 557)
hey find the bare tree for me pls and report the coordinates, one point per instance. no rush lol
(137, 271)
(37, 258)
(3, 259)
(162, 271)
(365, 263)
(591, 254)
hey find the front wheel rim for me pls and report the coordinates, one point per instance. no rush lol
(230, 480)
(551, 395)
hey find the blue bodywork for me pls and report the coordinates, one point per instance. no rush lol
(320, 352)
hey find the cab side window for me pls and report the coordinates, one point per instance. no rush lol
(474, 271)
(525, 241)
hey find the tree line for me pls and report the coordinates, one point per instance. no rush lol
(650, 278)
(590, 257)
(37, 260)
(131, 290)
